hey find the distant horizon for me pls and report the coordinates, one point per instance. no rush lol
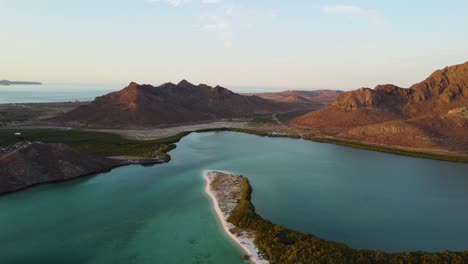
(116, 87)
(234, 43)
(236, 88)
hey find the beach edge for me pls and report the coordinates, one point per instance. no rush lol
(247, 244)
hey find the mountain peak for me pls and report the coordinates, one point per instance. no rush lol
(185, 83)
(222, 90)
(147, 106)
(133, 85)
(445, 85)
(430, 114)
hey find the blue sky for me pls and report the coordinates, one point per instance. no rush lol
(275, 44)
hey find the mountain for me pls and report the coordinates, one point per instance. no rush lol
(430, 114)
(145, 106)
(28, 163)
(317, 98)
(6, 82)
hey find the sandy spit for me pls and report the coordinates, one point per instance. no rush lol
(244, 238)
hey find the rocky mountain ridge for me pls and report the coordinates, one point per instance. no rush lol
(429, 114)
(141, 106)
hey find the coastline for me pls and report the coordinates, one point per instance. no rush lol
(166, 144)
(244, 240)
(389, 149)
(119, 162)
(173, 135)
(287, 246)
(330, 249)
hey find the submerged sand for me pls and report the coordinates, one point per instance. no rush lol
(225, 190)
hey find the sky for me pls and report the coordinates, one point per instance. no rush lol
(276, 44)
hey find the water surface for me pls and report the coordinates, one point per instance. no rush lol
(161, 214)
(51, 93)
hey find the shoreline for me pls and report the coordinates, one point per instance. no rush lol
(389, 149)
(302, 247)
(132, 160)
(120, 162)
(245, 242)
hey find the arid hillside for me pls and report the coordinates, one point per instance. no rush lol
(141, 106)
(431, 114)
(29, 163)
(317, 98)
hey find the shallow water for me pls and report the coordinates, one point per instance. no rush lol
(160, 214)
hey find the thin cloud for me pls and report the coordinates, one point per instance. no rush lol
(210, 1)
(214, 27)
(224, 18)
(344, 9)
(176, 3)
(228, 19)
(213, 23)
(352, 10)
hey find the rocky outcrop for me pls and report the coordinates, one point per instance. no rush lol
(461, 111)
(446, 85)
(29, 163)
(358, 99)
(147, 106)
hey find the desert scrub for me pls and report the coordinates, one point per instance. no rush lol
(98, 143)
(391, 150)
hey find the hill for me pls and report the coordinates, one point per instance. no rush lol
(431, 114)
(313, 99)
(29, 163)
(169, 104)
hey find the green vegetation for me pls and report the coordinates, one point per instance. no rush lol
(281, 245)
(352, 144)
(108, 144)
(410, 153)
(278, 244)
(263, 119)
(98, 143)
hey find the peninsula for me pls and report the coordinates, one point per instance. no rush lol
(267, 242)
(6, 83)
(225, 189)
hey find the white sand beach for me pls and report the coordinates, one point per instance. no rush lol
(224, 203)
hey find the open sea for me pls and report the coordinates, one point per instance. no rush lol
(68, 93)
(52, 93)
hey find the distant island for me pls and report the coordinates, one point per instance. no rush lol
(6, 82)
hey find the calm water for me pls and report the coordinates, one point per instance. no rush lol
(51, 93)
(68, 93)
(161, 214)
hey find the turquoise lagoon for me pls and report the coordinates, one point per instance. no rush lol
(161, 214)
